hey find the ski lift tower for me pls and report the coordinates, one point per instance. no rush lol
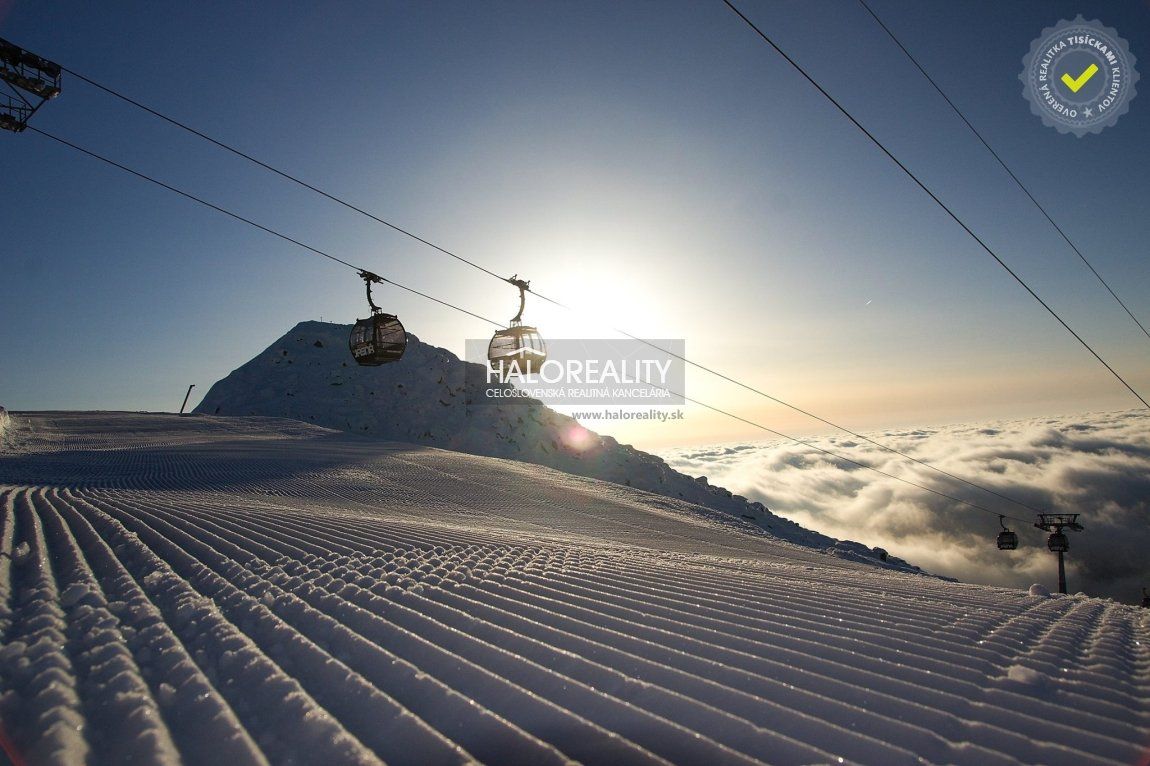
(30, 81)
(1058, 543)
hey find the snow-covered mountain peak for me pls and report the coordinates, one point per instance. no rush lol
(308, 375)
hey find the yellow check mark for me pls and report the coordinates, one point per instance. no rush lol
(1075, 83)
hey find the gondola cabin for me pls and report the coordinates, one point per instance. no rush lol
(380, 338)
(1007, 540)
(377, 340)
(517, 350)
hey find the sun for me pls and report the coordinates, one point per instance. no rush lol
(612, 304)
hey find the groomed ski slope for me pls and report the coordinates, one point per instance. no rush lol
(251, 590)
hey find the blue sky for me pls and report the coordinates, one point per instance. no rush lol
(653, 162)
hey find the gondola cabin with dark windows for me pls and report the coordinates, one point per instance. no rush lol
(377, 340)
(519, 349)
(380, 338)
(1058, 542)
(1007, 540)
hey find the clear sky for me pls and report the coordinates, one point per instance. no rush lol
(652, 161)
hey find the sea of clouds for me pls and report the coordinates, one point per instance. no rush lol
(1097, 465)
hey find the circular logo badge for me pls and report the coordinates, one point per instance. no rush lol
(1079, 76)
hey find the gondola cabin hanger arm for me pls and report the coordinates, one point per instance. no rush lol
(519, 349)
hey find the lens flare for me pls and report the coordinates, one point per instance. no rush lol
(578, 438)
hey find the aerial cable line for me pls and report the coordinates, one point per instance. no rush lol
(812, 415)
(536, 293)
(282, 174)
(1005, 167)
(462, 310)
(250, 222)
(937, 200)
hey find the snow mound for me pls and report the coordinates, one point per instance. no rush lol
(249, 591)
(308, 375)
(1038, 589)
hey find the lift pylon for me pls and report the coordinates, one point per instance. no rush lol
(1058, 543)
(29, 80)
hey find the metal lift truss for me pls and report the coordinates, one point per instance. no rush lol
(28, 80)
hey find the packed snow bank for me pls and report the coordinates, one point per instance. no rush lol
(250, 590)
(308, 375)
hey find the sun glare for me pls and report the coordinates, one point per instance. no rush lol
(577, 437)
(618, 301)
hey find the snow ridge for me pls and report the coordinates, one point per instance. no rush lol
(251, 591)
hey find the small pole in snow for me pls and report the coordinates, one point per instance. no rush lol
(185, 404)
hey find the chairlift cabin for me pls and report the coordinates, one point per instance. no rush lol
(380, 338)
(519, 349)
(1058, 543)
(1007, 540)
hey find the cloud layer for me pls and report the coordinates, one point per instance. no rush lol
(1097, 465)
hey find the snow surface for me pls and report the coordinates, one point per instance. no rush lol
(255, 590)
